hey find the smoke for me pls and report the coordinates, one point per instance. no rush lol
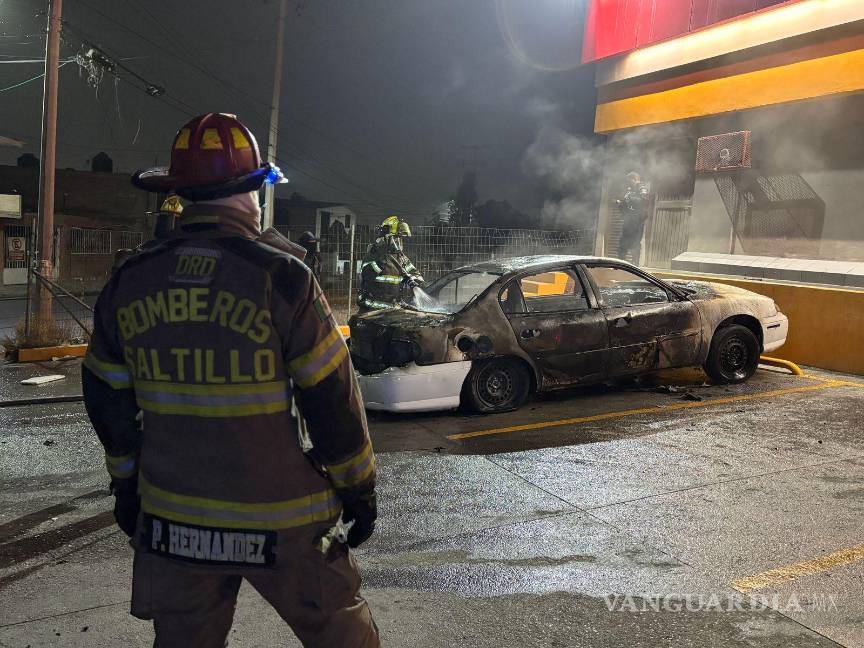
(570, 169)
(567, 168)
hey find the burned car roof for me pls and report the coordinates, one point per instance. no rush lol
(536, 262)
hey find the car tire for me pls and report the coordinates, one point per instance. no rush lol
(734, 355)
(496, 385)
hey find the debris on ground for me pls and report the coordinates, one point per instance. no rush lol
(41, 380)
(677, 389)
(690, 396)
(48, 442)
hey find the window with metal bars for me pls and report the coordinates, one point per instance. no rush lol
(85, 240)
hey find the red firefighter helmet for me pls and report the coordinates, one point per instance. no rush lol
(213, 156)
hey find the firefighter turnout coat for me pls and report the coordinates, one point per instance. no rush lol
(384, 272)
(220, 340)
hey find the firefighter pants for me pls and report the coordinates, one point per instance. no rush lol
(630, 243)
(318, 596)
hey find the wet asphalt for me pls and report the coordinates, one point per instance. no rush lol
(613, 528)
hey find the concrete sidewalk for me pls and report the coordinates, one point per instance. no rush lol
(656, 518)
(488, 560)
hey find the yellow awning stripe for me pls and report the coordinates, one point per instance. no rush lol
(819, 77)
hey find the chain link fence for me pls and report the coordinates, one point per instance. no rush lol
(435, 250)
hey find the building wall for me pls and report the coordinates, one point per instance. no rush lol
(618, 26)
(820, 141)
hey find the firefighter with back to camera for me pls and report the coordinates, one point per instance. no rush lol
(206, 348)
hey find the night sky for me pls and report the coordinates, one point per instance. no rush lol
(380, 97)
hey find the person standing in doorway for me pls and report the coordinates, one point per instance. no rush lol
(634, 213)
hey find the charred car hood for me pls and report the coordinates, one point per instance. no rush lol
(716, 299)
(397, 336)
(699, 290)
(399, 318)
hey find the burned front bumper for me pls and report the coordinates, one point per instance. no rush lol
(414, 388)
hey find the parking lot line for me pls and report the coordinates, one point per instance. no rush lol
(540, 425)
(797, 570)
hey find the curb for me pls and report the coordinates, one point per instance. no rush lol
(42, 354)
(46, 400)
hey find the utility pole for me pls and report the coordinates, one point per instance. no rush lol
(47, 161)
(269, 189)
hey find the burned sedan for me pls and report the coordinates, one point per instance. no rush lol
(489, 335)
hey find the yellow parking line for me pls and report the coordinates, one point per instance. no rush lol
(804, 568)
(648, 410)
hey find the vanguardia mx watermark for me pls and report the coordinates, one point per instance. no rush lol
(784, 604)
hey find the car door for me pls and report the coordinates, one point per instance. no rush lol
(558, 323)
(649, 326)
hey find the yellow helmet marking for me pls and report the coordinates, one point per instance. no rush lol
(239, 138)
(211, 140)
(182, 141)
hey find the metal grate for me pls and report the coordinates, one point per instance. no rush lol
(668, 232)
(725, 152)
(90, 241)
(773, 215)
(127, 240)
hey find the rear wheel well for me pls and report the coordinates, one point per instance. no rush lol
(528, 368)
(747, 321)
(476, 387)
(525, 365)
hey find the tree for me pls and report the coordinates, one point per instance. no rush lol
(462, 213)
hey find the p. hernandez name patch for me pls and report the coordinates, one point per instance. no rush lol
(208, 545)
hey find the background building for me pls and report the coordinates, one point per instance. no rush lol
(96, 213)
(779, 80)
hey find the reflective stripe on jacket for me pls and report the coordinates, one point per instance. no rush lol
(217, 339)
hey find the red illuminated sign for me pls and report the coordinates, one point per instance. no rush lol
(617, 26)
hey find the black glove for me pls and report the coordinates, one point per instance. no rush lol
(363, 510)
(127, 504)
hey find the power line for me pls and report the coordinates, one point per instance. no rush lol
(30, 80)
(186, 109)
(239, 91)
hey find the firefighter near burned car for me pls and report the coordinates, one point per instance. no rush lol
(387, 275)
(211, 352)
(500, 330)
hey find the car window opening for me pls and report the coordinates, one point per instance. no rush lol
(546, 292)
(619, 287)
(452, 292)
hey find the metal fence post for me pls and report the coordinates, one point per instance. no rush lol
(350, 272)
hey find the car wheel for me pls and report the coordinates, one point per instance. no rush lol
(497, 385)
(734, 355)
